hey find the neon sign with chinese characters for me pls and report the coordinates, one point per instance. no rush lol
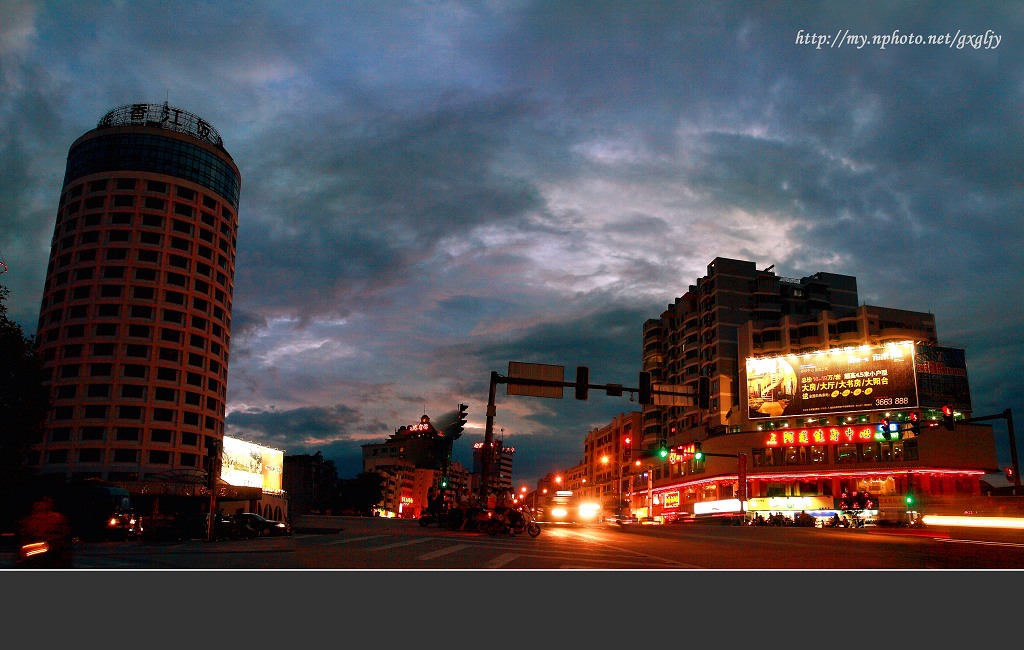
(821, 436)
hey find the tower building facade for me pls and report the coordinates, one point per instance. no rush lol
(135, 321)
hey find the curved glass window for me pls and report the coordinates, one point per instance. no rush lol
(157, 154)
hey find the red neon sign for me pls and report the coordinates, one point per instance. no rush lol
(820, 436)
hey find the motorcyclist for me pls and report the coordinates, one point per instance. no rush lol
(46, 524)
(504, 506)
(469, 506)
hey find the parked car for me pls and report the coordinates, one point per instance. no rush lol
(261, 526)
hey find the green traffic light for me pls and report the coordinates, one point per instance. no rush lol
(698, 455)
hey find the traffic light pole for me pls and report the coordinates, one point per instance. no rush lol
(646, 391)
(485, 462)
(485, 455)
(1008, 416)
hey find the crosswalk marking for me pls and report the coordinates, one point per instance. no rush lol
(501, 560)
(352, 539)
(443, 551)
(411, 542)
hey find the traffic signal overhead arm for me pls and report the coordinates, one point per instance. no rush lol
(646, 391)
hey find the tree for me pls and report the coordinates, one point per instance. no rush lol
(361, 494)
(24, 399)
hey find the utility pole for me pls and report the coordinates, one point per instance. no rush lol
(485, 456)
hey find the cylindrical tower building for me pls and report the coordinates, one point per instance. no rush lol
(135, 320)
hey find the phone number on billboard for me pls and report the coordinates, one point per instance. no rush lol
(892, 401)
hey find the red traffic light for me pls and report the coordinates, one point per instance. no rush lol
(947, 417)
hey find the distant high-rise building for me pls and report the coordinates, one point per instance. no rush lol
(135, 320)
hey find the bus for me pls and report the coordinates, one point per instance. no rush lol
(565, 507)
(96, 510)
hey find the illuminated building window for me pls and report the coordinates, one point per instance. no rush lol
(819, 455)
(846, 453)
(758, 458)
(869, 452)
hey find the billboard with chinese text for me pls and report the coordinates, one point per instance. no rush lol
(863, 378)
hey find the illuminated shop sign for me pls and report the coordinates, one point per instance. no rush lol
(864, 378)
(671, 499)
(790, 504)
(480, 445)
(715, 507)
(250, 465)
(822, 436)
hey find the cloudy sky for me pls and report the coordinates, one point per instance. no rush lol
(433, 189)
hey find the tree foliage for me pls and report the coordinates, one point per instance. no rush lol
(24, 397)
(361, 494)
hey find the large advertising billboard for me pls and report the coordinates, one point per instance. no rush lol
(863, 378)
(251, 465)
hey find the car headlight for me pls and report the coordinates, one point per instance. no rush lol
(559, 512)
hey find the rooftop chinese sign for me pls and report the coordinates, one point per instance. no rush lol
(864, 378)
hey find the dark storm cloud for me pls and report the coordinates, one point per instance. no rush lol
(368, 205)
(304, 425)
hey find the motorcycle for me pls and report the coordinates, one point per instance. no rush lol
(440, 518)
(515, 522)
(522, 520)
(43, 554)
(477, 516)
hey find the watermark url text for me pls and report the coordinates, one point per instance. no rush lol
(843, 38)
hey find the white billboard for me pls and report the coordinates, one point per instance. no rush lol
(251, 465)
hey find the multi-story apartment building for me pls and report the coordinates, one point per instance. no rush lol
(499, 468)
(607, 460)
(412, 460)
(794, 446)
(801, 379)
(135, 321)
